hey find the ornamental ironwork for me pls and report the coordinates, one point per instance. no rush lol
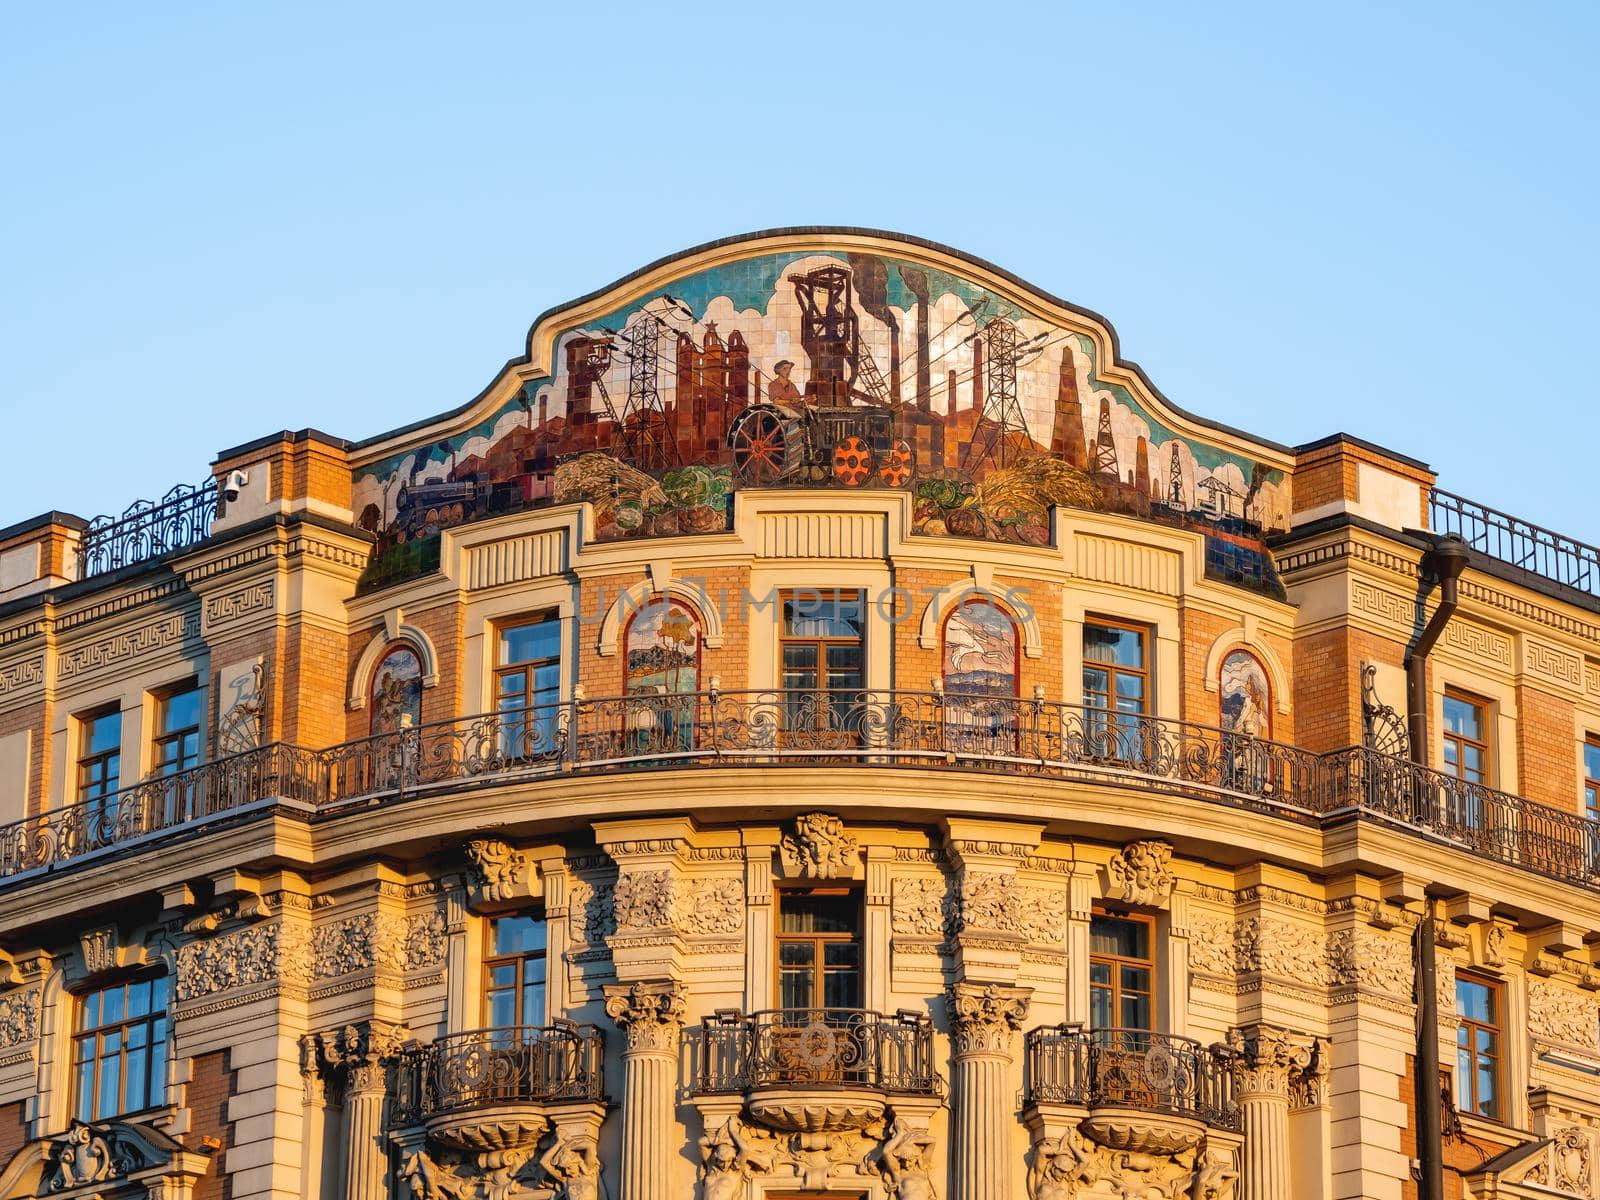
(878, 729)
(559, 1063)
(818, 1048)
(1131, 1068)
(1512, 540)
(148, 529)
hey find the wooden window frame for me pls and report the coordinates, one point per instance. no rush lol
(99, 758)
(520, 959)
(527, 665)
(1485, 716)
(822, 643)
(1117, 960)
(1591, 783)
(818, 940)
(1496, 1031)
(1113, 670)
(164, 738)
(155, 1087)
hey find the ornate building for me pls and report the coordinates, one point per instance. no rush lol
(819, 723)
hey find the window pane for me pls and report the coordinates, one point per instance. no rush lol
(86, 1091)
(796, 954)
(158, 1069)
(794, 989)
(525, 643)
(1591, 760)
(502, 1008)
(805, 912)
(1135, 1012)
(533, 1005)
(1104, 643)
(139, 998)
(841, 989)
(111, 1005)
(103, 733)
(180, 710)
(822, 613)
(1119, 936)
(1475, 1000)
(841, 954)
(109, 1101)
(138, 1089)
(1463, 718)
(1100, 1015)
(158, 994)
(518, 935)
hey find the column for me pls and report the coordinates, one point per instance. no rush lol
(983, 1024)
(1266, 1061)
(358, 1057)
(651, 1016)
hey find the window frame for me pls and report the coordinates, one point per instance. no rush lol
(533, 735)
(156, 1091)
(85, 722)
(1496, 1054)
(520, 959)
(1485, 711)
(161, 738)
(1591, 783)
(818, 940)
(1117, 961)
(821, 643)
(1113, 670)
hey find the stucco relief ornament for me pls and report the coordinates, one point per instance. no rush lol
(650, 1013)
(1267, 1060)
(922, 905)
(819, 848)
(573, 1163)
(729, 1155)
(1059, 1168)
(644, 900)
(1216, 1178)
(989, 902)
(19, 1018)
(591, 916)
(906, 1161)
(983, 1018)
(713, 906)
(1494, 946)
(90, 1154)
(499, 868)
(1141, 873)
(239, 727)
(99, 949)
(357, 1053)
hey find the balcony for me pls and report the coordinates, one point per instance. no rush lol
(148, 529)
(697, 731)
(812, 1069)
(1153, 1093)
(490, 1089)
(1519, 543)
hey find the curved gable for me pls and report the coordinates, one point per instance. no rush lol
(822, 358)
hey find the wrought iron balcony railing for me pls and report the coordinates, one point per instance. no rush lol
(278, 772)
(818, 1048)
(562, 1063)
(148, 529)
(1515, 541)
(874, 729)
(1131, 1068)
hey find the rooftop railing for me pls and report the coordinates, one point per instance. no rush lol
(483, 1068)
(1131, 1068)
(872, 729)
(1515, 541)
(148, 529)
(818, 1048)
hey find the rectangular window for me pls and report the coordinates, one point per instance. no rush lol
(1591, 778)
(822, 656)
(1116, 687)
(119, 1051)
(1121, 972)
(819, 949)
(1478, 1046)
(99, 758)
(527, 682)
(514, 973)
(1466, 738)
(177, 744)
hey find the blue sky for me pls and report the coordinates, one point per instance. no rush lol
(222, 220)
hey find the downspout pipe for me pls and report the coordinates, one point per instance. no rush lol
(1444, 562)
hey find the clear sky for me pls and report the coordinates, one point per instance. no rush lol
(220, 220)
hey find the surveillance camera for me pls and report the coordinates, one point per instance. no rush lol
(235, 481)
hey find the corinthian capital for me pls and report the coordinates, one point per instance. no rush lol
(651, 1013)
(1268, 1060)
(983, 1017)
(354, 1055)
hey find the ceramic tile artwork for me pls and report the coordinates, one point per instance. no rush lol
(397, 692)
(980, 651)
(663, 649)
(1246, 705)
(834, 370)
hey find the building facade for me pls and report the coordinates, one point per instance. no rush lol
(820, 723)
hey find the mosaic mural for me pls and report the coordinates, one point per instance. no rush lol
(980, 651)
(397, 691)
(1245, 695)
(830, 370)
(663, 655)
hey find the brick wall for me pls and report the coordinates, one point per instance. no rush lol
(210, 1085)
(1547, 768)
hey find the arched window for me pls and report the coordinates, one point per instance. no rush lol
(397, 691)
(979, 650)
(663, 650)
(1246, 696)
